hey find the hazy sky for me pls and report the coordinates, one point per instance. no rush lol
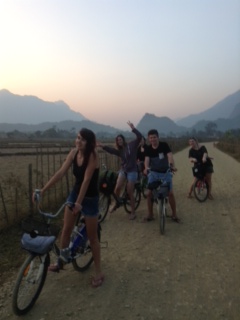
(115, 60)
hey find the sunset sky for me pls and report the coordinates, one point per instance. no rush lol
(115, 60)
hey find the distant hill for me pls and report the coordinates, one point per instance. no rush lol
(30, 114)
(236, 112)
(221, 110)
(164, 125)
(69, 125)
(223, 125)
(32, 110)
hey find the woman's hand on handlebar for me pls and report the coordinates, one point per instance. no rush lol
(37, 194)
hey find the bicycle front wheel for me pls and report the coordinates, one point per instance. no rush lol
(201, 190)
(137, 197)
(83, 256)
(161, 215)
(29, 283)
(104, 202)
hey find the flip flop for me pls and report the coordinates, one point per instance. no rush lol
(176, 219)
(148, 219)
(132, 217)
(97, 282)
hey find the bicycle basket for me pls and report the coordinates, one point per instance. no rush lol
(199, 171)
(39, 227)
(107, 181)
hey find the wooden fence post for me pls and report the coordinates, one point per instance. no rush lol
(30, 188)
(4, 206)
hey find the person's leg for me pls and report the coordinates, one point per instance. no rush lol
(208, 178)
(130, 191)
(119, 184)
(92, 232)
(172, 203)
(118, 188)
(150, 215)
(131, 180)
(171, 198)
(191, 188)
(68, 224)
(151, 178)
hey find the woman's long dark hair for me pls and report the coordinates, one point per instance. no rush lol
(90, 137)
(124, 141)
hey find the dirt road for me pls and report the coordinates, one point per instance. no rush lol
(192, 272)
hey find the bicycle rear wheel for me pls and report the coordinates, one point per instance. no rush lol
(137, 197)
(104, 202)
(201, 190)
(29, 283)
(144, 181)
(161, 207)
(83, 256)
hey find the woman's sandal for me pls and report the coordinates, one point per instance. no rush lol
(56, 267)
(176, 219)
(97, 281)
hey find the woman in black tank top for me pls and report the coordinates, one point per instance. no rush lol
(84, 195)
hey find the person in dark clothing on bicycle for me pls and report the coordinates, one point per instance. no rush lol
(128, 154)
(158, 159)
(198, 155)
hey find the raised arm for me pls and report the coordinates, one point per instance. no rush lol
(134, 130)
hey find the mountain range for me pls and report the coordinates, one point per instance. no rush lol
(31, 114)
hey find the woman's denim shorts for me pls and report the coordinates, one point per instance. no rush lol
(130, 176)
(89, 204)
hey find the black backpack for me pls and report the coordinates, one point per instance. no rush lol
(107, 181)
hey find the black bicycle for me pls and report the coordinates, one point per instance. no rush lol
(38, 240)
(106, 187)
(160, 190)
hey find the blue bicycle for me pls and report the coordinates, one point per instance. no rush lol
(38, 240)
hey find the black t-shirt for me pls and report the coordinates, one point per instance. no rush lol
(158, 157)
(198, 154)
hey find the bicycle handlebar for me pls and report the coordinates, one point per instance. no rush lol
(49, 215)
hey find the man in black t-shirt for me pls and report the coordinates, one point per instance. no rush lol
(158, 159)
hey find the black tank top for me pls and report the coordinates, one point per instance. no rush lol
(78, 172)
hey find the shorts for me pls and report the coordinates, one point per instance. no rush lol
(154, 176)
(89, 204)
(209, 169)
(130, 176)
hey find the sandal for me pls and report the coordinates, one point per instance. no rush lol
(189, 196)
(210, 197)
(56, 267)
(148, 219)
(97, 282)
(176, 219)
(132, 216)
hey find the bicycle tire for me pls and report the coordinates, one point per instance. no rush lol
(84, 257)
(104, 202)
(201, 190)
(137, 196)
(29, 283)
(161, 215)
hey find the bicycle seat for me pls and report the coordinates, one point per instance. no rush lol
(39, 244)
